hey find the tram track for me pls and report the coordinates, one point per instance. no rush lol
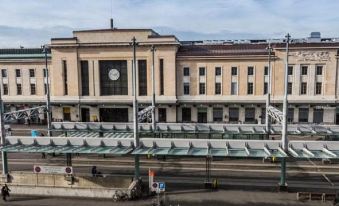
(175, 164)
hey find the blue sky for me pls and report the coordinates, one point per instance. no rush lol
(33, 22)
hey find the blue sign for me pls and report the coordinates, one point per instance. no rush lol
(34, 133)
(162, 186)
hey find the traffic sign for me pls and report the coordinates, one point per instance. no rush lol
(162, 186)
(52, 169)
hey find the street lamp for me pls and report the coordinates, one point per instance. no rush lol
(135, 110)
(48, 98)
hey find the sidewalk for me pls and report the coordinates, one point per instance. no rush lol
(189, 198)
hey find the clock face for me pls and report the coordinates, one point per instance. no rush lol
(114, 74)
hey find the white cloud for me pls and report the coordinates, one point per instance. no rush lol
(189, 19)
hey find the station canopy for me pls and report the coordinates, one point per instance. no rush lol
(117, 139)
(196, 128)
(172, 147)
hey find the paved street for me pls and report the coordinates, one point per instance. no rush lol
(189, 173)
(184, 198)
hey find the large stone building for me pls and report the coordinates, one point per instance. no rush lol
(207, 81)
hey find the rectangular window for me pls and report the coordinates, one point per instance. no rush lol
(266, 70)
(290, 70)
(234, 88)
(217, 71)
(318, 88)
(18, 89)
(113, 77)
(250, 115)
(304, 70)
(303, 89)
(186, 71)
(289, 88)
(201, 71)
(18, 73)
(45, 72)
(250, 71)
(161, 76)
(45, 88)
(233, 114)
(265, 87)
(218, 88)
(186, 88)
(64, 69)
(319, 70)
(142, 68)
(31, 73)
(5, 89)
(217, 114)
(201, 88)
(33, 89)
(249, 88)
(290, 115)
(4, 73)
(162, 115)
(84, 78)
(303, 114)
(234, 71)
(318, 116)
(186, 114)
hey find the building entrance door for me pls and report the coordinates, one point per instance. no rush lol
(85, 115)
(202, 115)
(318, 116)
(114, 114)
(67, 113)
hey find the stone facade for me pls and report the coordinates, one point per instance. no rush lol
(196, 82)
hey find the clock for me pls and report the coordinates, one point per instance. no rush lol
(114, 74)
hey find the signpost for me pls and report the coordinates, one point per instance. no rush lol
(151, 175)
(158, 187)
(162, 187)
(39, 169)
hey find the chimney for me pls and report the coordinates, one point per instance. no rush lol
(314, 37)
(112, 26)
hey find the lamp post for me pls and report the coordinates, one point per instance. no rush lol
(48, 96)
(153, 89)
(269, 90)
(135, 111)
(3, 138)
(284, 138)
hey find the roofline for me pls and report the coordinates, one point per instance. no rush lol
(110, 30)
(64, 38)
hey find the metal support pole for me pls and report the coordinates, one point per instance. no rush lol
(3, 137)
(135, 111)
(69, 159)
(284, 126)
(284, 137)
(48, 96)
(269, 90)
(153, 90)
(283, 184)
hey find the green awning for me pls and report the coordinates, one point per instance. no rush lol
(118, 150)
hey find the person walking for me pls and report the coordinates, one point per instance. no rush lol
(5, 192)
(94, 171)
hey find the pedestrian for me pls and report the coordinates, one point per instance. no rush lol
(5, 192)
(94, 171)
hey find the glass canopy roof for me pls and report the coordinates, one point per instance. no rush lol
(116, 138)
(186, 128)
(172, 147)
